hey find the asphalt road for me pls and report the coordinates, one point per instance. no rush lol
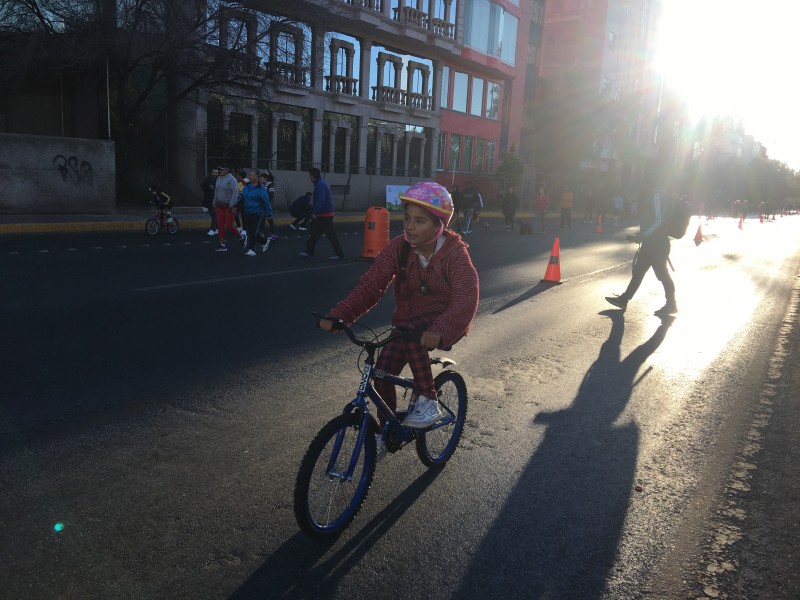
(158, 397)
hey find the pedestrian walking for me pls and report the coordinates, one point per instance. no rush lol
(468, 200)
(653, 253)
(322, 216)
(540, 205)
(268, 181)
(207, 187)
(255, 202)
(510, 206)
(565, 203)
(226, 195)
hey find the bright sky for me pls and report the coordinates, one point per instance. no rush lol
(738, 58)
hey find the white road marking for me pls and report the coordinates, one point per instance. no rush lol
(170, 286)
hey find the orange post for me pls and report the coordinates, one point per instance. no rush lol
(376, 231)
(553, 272)
(698, 237)
(599, 227)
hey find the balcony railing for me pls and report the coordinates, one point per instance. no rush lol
(411, 16)
(346, 86)
(402, 98)
(376, 5)
(443, 28)
(288, 73)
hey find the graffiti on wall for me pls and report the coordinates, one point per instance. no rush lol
(72, 171)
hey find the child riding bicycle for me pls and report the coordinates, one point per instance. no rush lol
(436, 291)
(163, 202)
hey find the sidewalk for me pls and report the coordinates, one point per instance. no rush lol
(133, 219)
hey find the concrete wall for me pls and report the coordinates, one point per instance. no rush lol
(42, 174)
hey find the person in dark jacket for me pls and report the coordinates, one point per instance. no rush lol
(301, 211)
(255, 202)
(322, 216)
(510, 206)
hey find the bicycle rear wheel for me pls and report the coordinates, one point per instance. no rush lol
(436, 446)
(326, 500)
(152, 226)
(172, 226)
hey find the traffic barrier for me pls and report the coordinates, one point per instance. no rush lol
(599, 227)
(698, 237)
(376, 231)
(553, 271)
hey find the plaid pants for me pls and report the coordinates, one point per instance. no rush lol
(401, 352)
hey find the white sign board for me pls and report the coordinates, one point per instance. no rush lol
(393, 196)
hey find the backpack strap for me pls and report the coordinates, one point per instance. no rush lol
(405, 250)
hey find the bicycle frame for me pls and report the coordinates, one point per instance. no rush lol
(366, 392)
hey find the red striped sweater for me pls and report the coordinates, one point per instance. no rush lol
(450, 279)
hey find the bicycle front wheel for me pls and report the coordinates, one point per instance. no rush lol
(435, 446)
(172, 226)
(152, 226)
(335, 476)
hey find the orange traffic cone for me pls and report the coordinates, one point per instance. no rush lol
(599, 227)
(553, 272)
(698, 237)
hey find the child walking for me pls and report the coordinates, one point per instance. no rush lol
(436, 291)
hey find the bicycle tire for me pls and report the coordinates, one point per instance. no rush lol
(437, 445)
(152, 226)
(173, 226)
(323, 504)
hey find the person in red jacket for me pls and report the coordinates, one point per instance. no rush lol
(436, 290)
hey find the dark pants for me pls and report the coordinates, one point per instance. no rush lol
(213, 214)
(302, 220)
(541, 215)
(251, 223)
(566, 218)
(653, 253)
(320, 226)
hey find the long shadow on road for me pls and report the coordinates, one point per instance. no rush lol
(300, 567)
(557, 535)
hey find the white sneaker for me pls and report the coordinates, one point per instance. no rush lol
(243, 239)
(293, 226)
(265, 247)
(250, 252)
(380, 449)
(426, 412)
(212, 232)
(301, 228)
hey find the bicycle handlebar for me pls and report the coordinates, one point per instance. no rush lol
(342, 326)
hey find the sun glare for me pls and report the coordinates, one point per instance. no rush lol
(736, 59)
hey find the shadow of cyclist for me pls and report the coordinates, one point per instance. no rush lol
(292, 570)
(557, 534)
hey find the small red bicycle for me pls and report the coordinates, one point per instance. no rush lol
(161, 220)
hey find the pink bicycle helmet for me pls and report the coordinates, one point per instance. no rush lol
(432, 197)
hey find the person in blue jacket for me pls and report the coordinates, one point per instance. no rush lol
(322, 216)
(256, 204)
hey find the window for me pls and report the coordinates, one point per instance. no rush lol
(508, 38)
(532, 54)
(440, 158)
(443, 97)
(460, 87)
(476, 106)
(490, 29)
(455, 152)
(492, 100)
(477, 163)
(466, 162)
(490, 146)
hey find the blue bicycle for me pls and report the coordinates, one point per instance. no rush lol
(337, 470)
